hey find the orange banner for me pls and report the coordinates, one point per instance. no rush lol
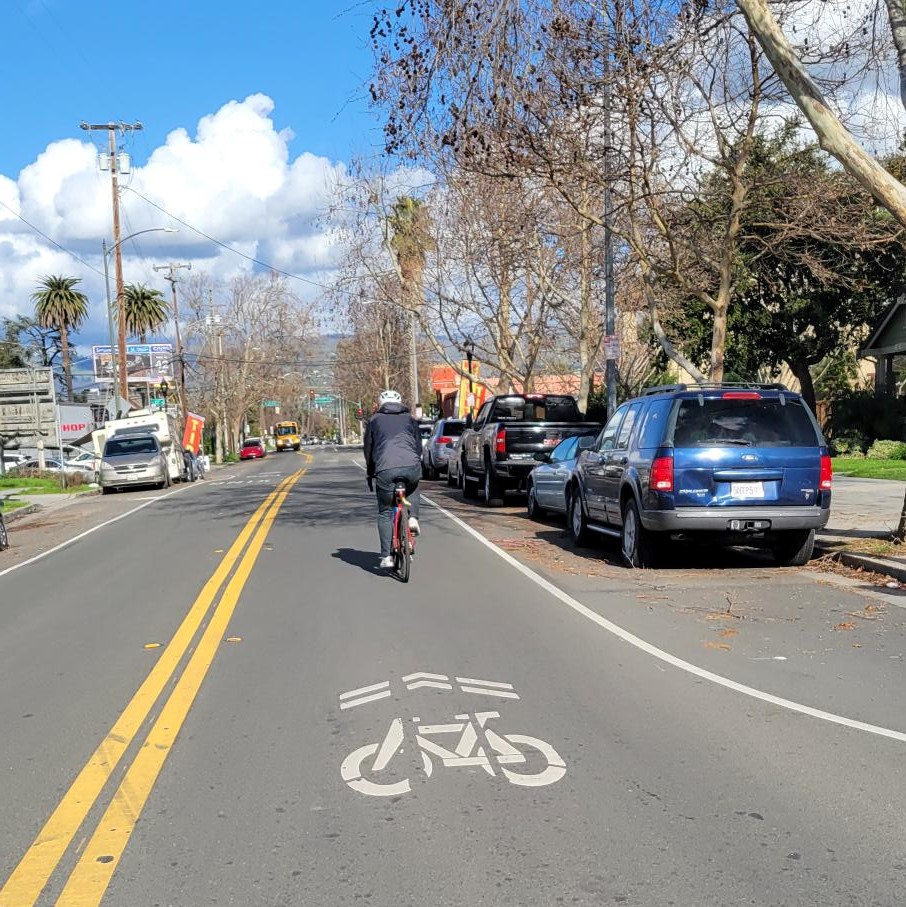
(191, 439)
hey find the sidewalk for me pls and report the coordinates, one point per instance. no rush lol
(864, 514)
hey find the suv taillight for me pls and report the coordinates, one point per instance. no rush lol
(662, 474)
(443, 439)
(826, 475)
(500, 442)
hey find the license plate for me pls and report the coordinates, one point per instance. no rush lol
(747, 489)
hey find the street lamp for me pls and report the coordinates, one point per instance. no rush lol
(469, 349)
(118, 363)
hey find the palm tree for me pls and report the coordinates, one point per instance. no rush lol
(59, 305)
(145, 310)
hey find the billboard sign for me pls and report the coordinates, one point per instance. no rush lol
(144, 362)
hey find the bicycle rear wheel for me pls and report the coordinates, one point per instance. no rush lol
(403, 551)
(4, 538)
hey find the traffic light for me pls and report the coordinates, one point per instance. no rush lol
(360, 413)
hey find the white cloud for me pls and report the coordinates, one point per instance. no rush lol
(234, 179)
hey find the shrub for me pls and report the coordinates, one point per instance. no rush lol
(887, 450)
(850, 445)
(864, 416)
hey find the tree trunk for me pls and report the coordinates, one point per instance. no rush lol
(719, 343)
(806, 385)
(833, 137)
(67, 364)
(900, 534)
(897, 14)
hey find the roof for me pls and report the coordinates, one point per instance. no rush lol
(889, 336)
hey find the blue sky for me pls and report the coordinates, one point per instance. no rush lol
(251, 114)
(169, 62)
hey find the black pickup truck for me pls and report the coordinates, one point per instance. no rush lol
(498, 450)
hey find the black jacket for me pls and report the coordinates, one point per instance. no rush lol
(392, 439)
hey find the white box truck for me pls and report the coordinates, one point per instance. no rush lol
(144, 421)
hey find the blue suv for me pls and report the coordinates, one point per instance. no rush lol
(736, 464)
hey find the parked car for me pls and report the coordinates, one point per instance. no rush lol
(252, 449)
(454, 462)
(497, 452)
(737, 465)
(133, 459)
(52, 464)
(548, 483)
(425, 428)
(439, 446)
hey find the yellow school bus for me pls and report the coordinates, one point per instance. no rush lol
(287, 436)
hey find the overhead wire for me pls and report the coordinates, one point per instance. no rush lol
(52, 241)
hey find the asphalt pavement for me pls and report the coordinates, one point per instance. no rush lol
(219, 699)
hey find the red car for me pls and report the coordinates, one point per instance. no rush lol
(252, 449)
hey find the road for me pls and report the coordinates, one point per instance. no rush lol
(219, 700)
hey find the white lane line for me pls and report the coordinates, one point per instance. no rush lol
(503, 694)
(87, 532)
(423, 674)
(363, 690)
(429, 683)
(660, 654)
(351, 704)
(485, 683)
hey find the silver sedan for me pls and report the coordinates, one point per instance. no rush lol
(548, 482)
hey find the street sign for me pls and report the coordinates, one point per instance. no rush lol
(28, 409)
(158, 402)
(270, 403)
(325, 400)
(611, 346)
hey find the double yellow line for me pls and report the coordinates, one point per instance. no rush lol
(101, 855)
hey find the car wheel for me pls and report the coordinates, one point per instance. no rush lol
(795, 547)
(452, 480)
(106, 490)
(535, 511)
(469, 488)
(493, 496)
(635, 539)
(578, 524)
(424, 472)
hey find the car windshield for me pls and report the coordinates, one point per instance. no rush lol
(252, 442)
(122, 447)
(536, 408)
(282, 430)
(723, 422)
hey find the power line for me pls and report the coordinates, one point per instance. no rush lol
(229, 248)
(51, 241)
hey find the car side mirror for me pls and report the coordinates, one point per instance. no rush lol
(469, 420)
(543, 456)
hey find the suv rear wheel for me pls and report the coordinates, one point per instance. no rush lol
(794, 548)
(636, 540)
(578, 525)
(493, 496)
(469, 489)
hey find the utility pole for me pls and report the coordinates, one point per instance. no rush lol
(413, 363)
(113, 164)
(172, 267)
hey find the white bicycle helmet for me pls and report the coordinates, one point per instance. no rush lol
(389, 396)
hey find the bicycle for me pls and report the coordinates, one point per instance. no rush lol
(474, 745)
(402, 546)
(4, 535)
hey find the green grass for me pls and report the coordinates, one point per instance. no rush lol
(870, 469)
(26, 485)
(10, 506)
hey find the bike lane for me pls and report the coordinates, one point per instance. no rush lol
(674, 790)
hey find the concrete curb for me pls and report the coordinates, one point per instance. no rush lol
(21, 512)
(895, 569)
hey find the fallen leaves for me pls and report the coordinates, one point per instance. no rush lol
(845, 625)
(721, 646)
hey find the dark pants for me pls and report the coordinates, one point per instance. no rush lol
(384, 483)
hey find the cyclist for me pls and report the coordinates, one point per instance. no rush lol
(393, 450)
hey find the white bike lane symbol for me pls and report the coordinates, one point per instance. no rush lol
(478, 745)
